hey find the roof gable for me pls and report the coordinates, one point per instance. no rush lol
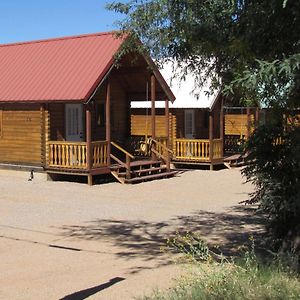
(187, 94)
(64, 69)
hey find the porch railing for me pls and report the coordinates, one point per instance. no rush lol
(191, 149)
(99, 154)
(197, 149)
(73, 155)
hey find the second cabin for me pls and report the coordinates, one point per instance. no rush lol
(195, 123)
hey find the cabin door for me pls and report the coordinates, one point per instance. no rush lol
(74, 122)
(189, 123)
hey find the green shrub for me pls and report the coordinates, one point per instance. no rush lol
(246, 278)
(273, 166)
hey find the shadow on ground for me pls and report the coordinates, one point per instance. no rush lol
(229, 231)
(83, 294)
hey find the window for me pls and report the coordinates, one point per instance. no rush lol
(189, 123)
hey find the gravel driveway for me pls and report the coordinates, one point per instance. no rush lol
(62, 240)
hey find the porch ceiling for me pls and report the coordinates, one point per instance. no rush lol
(134, 77)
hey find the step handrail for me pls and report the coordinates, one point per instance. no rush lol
(165, 158)
(161, 145)
(122, 149)
(128, 155)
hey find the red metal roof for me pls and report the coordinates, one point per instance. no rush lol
(62, 69)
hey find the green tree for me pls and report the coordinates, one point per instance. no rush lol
(220, 37)
(253, 46)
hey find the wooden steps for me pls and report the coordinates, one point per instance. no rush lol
(151, 170)
(236, 160)
(151, 177)
(140, 171)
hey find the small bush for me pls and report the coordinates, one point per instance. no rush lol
(273, 166)
(246, 278)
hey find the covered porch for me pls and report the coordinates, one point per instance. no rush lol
(209, 150)
(100, 143)
(195, 135)
(198, 151)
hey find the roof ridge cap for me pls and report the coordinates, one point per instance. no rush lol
(59, 38)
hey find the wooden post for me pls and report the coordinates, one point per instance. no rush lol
(248, 122)
(211, 133)
(108, 125)
(88, 127)
(167, 120)
(222, 127)
(43, 136)
(153, 96)
(257, 116)
(128, 170)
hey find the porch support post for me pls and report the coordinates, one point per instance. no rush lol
(257, 116)
(167, 132)
(222, 127)
(107, 123)
(248, 122)
(153, 96)
(211, 131)
(88, 127)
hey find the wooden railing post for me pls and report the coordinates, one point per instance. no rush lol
(153, 96)
(128, 169)
(128, 159)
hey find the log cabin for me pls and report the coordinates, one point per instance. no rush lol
(195, 122)
(239, 124)
(65, 107)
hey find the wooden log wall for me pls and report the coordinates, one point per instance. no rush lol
(236, 124)
(140, 125)
(201, 121)
(21, 134)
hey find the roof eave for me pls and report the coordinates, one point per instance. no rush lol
(215, 101)
(160, 78)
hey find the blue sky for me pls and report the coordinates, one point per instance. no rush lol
(25, 20)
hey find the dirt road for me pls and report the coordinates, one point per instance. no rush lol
(62, 240)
